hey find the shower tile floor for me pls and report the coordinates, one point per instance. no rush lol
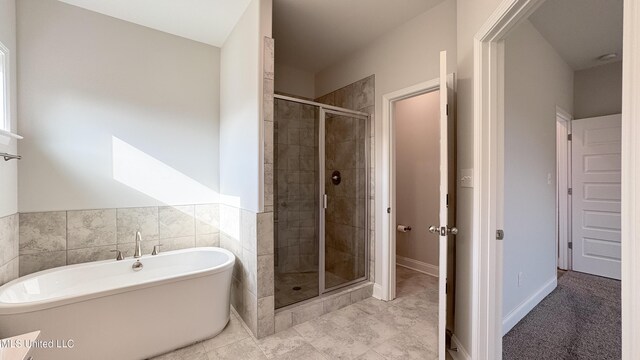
(405, 328)
(291, 288)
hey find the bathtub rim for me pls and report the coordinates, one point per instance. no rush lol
(27, 307)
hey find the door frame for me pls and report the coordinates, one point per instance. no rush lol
(563, 183)
(388, 291)
(488, 98)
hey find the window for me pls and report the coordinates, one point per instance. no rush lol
(5, 119)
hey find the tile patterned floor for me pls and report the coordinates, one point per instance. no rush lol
(405, 328)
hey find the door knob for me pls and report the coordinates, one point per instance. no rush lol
(440, 231)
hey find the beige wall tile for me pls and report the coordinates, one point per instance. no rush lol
(131, 220)
(306, 312)
(9, 271)
(265, 233)
(88, 228)
(248, 230)
(266, 320)
(207, 219)
(9, 238)
(208, 240)
(44, 231)
(283, 320)
(250, 271)
(176, 221)
(95, 253)
(265, 276)
(178, 243)
(336, 302)
(268, 62)
(30, 263)
(250, 310)
(128, 249)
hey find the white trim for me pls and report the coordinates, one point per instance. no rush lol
(563, 182)
(488, 109)
(377, 291)
(5, 65)
(417, 265)
(388, 234)
(527, 305)
(461, 353)
(630, 183)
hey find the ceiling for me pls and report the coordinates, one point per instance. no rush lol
(206, 21)
(313, 34)
(581, 30)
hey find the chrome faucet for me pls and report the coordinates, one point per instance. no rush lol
(138, 251)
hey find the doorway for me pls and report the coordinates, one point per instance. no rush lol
(444, 229)
(489, 97)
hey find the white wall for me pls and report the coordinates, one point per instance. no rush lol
(241, 151)
(598, 91)
(536, 80)
(405, 56)
(113, 114)
(292, 81)
(9, 169)
(417, 122)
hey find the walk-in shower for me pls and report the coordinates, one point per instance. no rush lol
(321, 198)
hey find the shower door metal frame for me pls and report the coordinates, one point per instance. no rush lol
(323, 200)
(323, 110)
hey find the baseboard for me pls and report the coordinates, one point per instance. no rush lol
(416, 265)
(526, 306)
(460, 353)
(377, 291)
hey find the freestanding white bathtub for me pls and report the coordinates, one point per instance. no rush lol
(106, 310)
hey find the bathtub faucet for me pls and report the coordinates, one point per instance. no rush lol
(138, 252)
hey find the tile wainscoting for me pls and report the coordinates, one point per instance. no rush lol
(8, 248)
(58, 238)
(249, 236)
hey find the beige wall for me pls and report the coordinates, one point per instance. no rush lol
(292, 81)
(598, 91)
(9, 169)
(417, 175)
(113, 114)
(536, 80)
(405, 56)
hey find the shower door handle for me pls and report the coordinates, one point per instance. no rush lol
(325, 201)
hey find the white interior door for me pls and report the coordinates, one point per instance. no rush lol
(596, 165)
(445, 229)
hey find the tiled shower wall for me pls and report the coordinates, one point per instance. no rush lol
(296, 187)
(344, 227)
(58, 238)
(8, 248)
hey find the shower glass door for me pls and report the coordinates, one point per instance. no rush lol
(321, 221)
(344, 167)
(296, 189)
